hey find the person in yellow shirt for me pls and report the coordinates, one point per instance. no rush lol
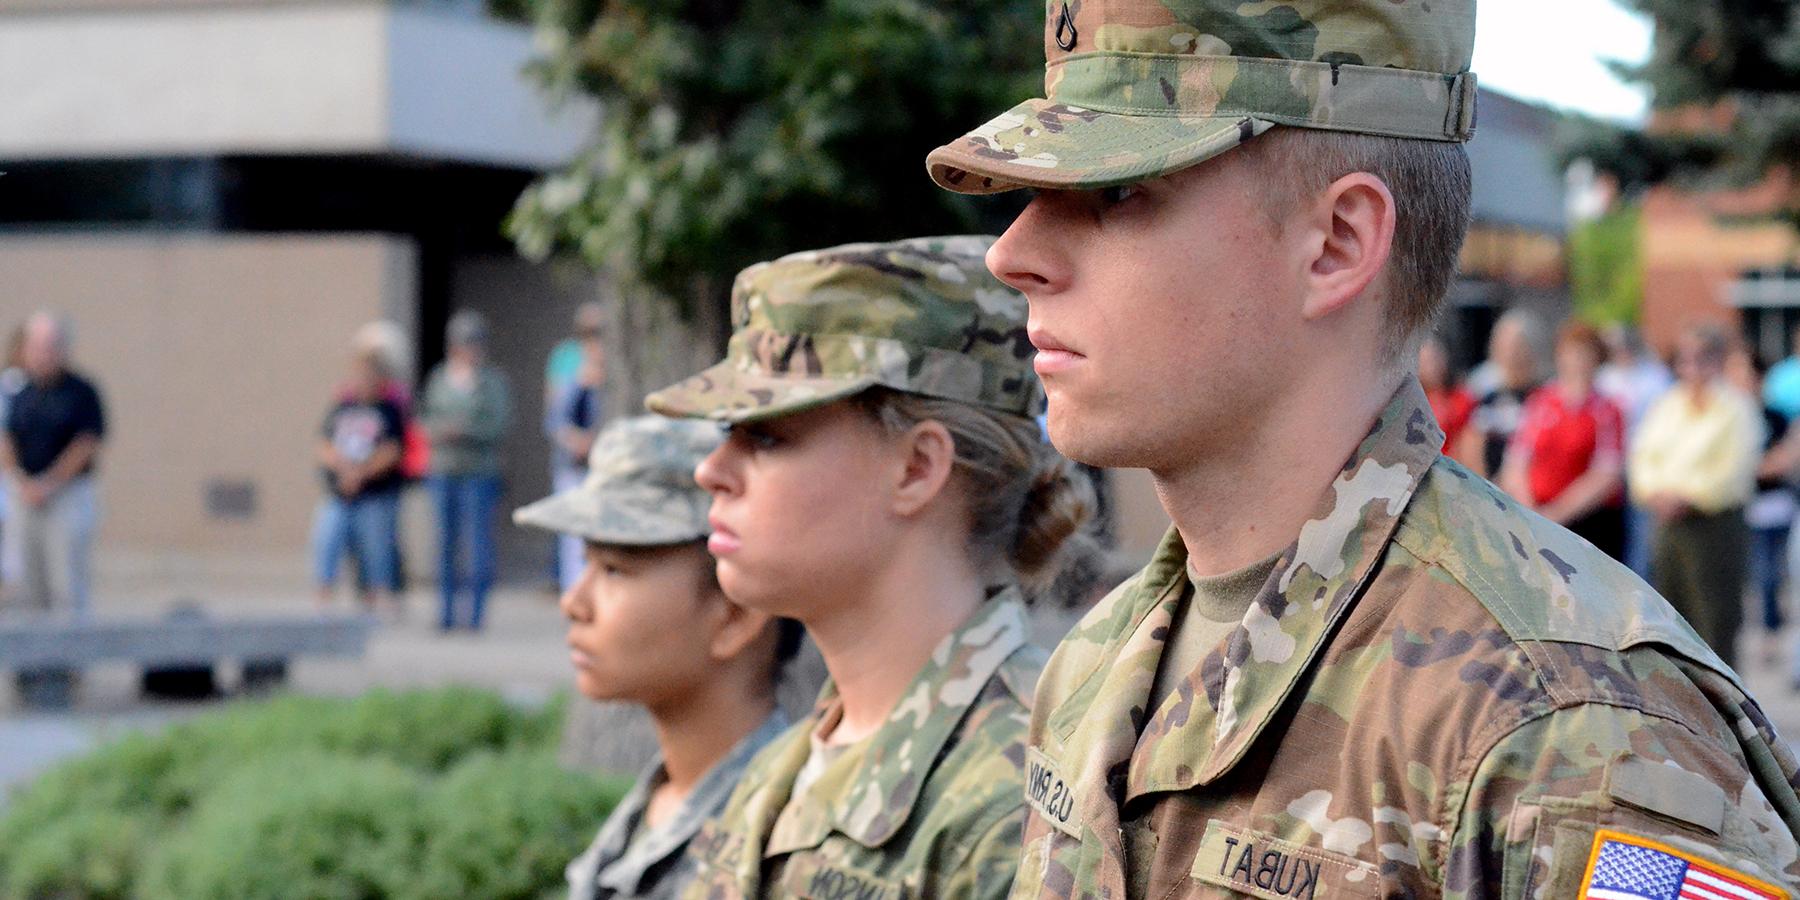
(1693, 465)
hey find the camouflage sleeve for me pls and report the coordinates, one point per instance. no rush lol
(986, 871)
(1541, 806)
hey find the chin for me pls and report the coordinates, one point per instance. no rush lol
(748, 590)
(596, 690)
(1086, 441)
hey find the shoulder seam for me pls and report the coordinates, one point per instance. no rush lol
(1480, 750)
(1551, 685)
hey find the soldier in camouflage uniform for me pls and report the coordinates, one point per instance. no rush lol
(1247, 214)
(884, 482)
(648, 624)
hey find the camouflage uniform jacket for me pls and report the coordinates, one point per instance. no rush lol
(1436, 693)
(935, 807)
(625, 861)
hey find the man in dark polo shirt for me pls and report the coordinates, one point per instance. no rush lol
(54, 427)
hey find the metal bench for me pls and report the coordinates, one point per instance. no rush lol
(47, 653)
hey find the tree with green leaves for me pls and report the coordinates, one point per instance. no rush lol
(734, 131)
(1724, 80)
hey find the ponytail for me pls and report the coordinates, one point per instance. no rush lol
(1026, 502)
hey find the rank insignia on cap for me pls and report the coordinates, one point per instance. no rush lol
(1628, 867)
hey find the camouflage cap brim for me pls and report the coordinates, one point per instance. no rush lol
(625, 515)
(1044, 144)
(727, 393)
(1113, 118)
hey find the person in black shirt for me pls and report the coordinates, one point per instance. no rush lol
(1500, 386)
(54, 428)
(359, 451)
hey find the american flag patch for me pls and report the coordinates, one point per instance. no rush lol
(1628, 867)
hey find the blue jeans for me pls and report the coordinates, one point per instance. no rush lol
(364, 527)
(1768, 571)
(465, 509)
(1640, 537)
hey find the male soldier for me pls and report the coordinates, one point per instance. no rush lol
(1352, 669)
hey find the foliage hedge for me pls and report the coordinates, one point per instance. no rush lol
(443, 793)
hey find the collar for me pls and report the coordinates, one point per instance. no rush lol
(1248, 678)
(619, 864)
(878, 798)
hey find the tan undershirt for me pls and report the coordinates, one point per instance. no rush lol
(1210, 609)
(836, 760)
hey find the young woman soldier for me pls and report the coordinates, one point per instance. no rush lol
(649, 625)
(884, 482)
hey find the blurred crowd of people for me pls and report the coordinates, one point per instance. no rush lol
(377, 438)
(1688, 473)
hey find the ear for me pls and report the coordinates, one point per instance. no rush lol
(1354, 219)
(927, 455)
(735, 628)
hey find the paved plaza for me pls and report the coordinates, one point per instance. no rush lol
(520, 654)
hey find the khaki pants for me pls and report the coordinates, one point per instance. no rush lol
(51, 545)
(1700, 565)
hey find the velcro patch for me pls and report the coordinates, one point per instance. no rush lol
(1627, 867)
(1049, 794)
(1266, 866)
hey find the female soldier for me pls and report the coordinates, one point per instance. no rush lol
(648, 625)
(884, 482)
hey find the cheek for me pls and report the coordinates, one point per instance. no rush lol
(816, 498)
(633, 624)
(803, 522)
(652, 648)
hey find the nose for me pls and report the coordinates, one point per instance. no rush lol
(1027, 257)
(717, 473)
(574, 602)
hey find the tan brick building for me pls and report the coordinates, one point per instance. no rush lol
(219, 193)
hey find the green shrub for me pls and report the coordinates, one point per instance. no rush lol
(427, 793)
(93, 853)
(305, 824)
(529, 819)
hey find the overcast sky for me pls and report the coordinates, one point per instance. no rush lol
(1550, 51)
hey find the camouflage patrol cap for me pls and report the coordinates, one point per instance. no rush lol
(922, 315)
(640, 488)
(1136, 89)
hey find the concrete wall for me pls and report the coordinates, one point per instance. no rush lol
(350, 76)
(216, 356)
(1517, 182)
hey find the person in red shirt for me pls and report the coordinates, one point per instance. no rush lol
(1450, 402)
(1567, 459)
